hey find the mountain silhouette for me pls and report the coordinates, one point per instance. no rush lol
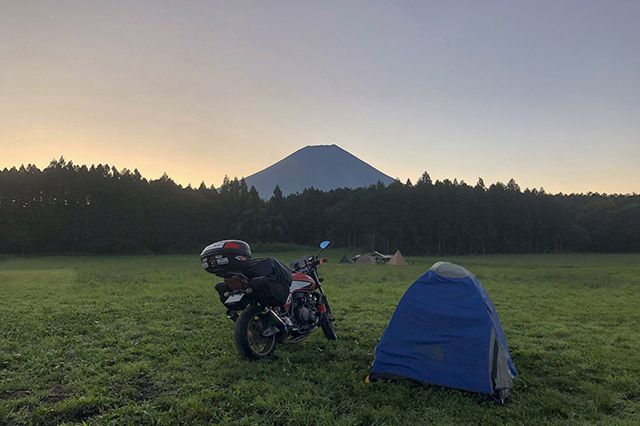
(323, 167)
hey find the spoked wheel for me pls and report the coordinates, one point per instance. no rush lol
(249, 334)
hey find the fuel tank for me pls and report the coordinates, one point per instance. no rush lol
(301, 282)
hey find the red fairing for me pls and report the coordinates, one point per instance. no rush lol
(301, 282)
(298, 276)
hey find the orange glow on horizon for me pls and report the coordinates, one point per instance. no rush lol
(201, 91)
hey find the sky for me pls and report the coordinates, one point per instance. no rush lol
(545, 92)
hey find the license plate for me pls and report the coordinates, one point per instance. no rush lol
(234, 298)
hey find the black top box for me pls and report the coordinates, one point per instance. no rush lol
(225, 257)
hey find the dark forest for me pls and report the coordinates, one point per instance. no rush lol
(66, 208)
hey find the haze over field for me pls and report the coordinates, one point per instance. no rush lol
(545, 92)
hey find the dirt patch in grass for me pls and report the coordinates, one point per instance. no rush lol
(14, 393)
(56, 394)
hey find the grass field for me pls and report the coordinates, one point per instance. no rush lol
(143, 340)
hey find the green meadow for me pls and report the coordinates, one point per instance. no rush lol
(143, 340)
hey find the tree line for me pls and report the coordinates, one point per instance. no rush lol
(100, 209)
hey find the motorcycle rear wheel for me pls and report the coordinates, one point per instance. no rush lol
(248, 334)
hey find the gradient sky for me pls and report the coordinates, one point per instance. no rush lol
(546, 92)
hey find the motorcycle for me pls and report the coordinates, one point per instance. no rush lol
(259, 329)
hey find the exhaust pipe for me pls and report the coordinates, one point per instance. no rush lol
(280, 324)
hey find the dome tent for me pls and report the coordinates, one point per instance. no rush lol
(446, 332)
(366, 259)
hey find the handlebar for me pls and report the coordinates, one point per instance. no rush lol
(310, 261)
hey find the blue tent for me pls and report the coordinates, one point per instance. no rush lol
(446, 331)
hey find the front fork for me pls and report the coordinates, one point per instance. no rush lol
(323, 306)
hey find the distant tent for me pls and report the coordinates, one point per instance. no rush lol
(366, 259)
(445, 331)
(381, 258)
(344, 260)
(397, 259)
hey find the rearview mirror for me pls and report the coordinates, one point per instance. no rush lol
(325, 244)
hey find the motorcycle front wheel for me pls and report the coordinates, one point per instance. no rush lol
(326, 322)
(250, 326)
